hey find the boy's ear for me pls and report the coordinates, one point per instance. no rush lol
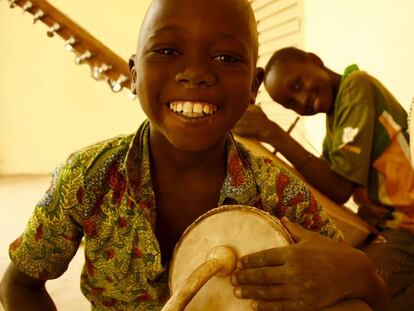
(316, 60)
(133, 71)
(260, 73)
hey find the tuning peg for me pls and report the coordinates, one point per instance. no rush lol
(52, 30)
(69, 44)
(13, 3)
(97, 72)
(81, 58)
(27, 6)
(38, 15)
(116, 86)
(132, 95)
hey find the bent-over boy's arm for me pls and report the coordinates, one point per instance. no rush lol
(21, 292)
(255, 124)
(327, 181)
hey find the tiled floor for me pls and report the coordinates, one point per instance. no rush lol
(18, 194)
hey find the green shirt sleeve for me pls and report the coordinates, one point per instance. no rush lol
(350, 130)
(53, 232)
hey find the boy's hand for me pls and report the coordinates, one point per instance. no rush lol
(313, 273)
(254, 124)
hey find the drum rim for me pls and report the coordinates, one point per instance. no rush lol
(269, 218)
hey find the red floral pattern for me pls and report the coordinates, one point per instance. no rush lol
(144, 297)
(89, 227)
(16, 243)
(267, 161)
(79, 195)
(97, 205)
(312, 208)
(115, 179)
(110, 302)
(122, 222)
(136, 252)
(282, 180)
(97, 291)
(39, 232)
(110, 253)
(89, 266)
(235, 170)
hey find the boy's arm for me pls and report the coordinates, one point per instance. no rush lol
(327, 181)
(21, 292)
(255, 124)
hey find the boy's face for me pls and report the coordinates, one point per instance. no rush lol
(302, 86)
(196, 69)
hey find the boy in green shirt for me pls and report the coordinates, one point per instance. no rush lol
(365, 153)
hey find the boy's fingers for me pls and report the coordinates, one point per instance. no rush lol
(275, 292)
(269, 257)
(297, 232)
(259, 276)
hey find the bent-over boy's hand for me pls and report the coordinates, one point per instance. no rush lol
(311, 274)
(254, 124)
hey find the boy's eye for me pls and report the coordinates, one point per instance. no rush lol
(167, 51)
(297, 84)
(227, 58)
(290, 104)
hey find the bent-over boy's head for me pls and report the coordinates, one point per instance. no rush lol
(299, 81)
(195, 69)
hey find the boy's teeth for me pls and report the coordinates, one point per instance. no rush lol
(192, 109)
(179, 107)
(187, 107)
(198, 108)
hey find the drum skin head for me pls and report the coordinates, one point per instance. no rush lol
(244, 229)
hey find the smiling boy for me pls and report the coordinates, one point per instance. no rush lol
(132, 197)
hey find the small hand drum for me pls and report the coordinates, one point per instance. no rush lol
(207, 253)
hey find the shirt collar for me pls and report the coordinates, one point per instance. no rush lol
(349, 69)
(239, 186)
(139, 176)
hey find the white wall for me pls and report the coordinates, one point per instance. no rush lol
(50, 107)
(375, 34)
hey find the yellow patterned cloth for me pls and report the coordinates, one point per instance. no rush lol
(104, 193)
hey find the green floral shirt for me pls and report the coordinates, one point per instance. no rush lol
(104, 194)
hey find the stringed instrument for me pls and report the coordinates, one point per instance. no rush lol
(104, 63)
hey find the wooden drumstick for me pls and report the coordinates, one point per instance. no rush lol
(221, 261)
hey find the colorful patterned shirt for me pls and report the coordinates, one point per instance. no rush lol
(104, 194)
(367, 142)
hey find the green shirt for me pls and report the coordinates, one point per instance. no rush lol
(367, 141)
(104, 193)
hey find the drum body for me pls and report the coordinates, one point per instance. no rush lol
(244, 229)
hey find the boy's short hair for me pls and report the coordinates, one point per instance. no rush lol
(252, 20)
(287, 54)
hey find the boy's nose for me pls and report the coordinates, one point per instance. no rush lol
(194, 75)
(302, 102)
